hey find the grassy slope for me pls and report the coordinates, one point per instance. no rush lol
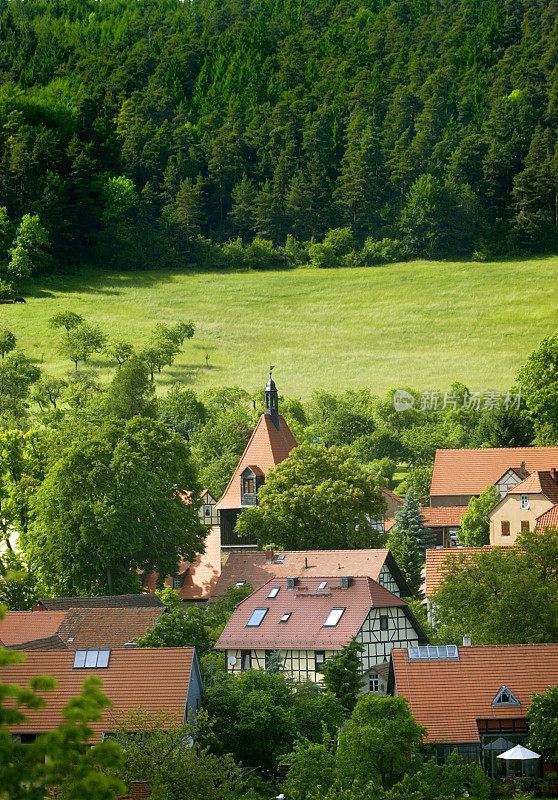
(423, 324)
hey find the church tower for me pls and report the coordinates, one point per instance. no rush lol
(272, 400)
(270, 443)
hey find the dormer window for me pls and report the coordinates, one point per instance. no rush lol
(250, 481)
(505, 698)
(524, 501)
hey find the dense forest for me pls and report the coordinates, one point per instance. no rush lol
(271, 132)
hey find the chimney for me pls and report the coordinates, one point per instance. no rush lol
(291, 583)
(139, 790)
(345, 581)
(466, 641)
(269, 554)
(424, 501)
(554, 474)
(522, 469)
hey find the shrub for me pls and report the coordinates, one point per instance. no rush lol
(382, 251)
(261, 254)
(7, 290)
(233, 254)
(332, 252)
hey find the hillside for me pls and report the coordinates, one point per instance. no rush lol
(149, 133)
(422, 324)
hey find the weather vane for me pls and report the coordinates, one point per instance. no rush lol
(271, 368)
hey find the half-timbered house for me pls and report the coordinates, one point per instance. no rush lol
(308, 619)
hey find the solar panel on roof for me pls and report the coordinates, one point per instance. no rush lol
(433, 652)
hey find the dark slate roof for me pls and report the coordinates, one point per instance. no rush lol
(113, 601)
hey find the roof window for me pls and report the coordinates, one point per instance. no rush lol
(239, 583)
(280, 558)
(257, 617)
(333, 617)
(286, 616)
(91, 659)
(322, 585)
(505, 698)
(274, 591)
(441, 652)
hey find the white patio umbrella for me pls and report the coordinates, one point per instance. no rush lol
(519, 753)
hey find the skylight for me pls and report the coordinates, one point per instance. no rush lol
(322, 585)
(239, 583)
(433, 652)
(285, 617)
(333, 617)
(91, 659)
(274, 591)
(257, 616)
(280, 558)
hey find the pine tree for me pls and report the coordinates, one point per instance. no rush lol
(242, 211)
(409, 518)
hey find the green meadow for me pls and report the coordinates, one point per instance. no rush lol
(423, 324)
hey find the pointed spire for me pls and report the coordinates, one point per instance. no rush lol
(272, 400)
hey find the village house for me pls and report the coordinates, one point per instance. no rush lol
(473, 700)
(308, 619)
(162, 679)
(77, 628)
(270, 443)
(522, 506)
(256, 567)
(459, 475)
(549, 519)
(102, 601)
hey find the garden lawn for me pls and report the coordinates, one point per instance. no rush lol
(422, 324)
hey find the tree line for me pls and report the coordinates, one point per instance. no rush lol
(265, 134)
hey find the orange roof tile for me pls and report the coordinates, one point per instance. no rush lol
(106, 627)
(267, 448)
(549, 519)
(442, 516)
(394, 496)
(258, 566)
(309, 609)
(448, 696)
(199, 576)
(155, 679)
(437, 563)
(76, 627)
(469, 472)
(23, 626)
(539, 482)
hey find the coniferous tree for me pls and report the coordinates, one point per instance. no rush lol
(343, 675)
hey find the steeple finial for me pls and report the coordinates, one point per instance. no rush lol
(272, 399)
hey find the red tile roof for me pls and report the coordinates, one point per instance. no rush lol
(257, 566)
(469, 472)
(394, 496)
(110, 601)
(549, 519)
(267, 448)
(22, 626)
(437, 564)
(442, 516)
(448, 696)
(199, 576)
(539, 482)
(309, 610)
(76, 627)
(155, 679)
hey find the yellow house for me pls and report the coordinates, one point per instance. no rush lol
(519, 509)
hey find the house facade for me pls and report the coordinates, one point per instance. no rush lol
(519, 510)
(473, 700)
(270, 443)
(307, 620)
